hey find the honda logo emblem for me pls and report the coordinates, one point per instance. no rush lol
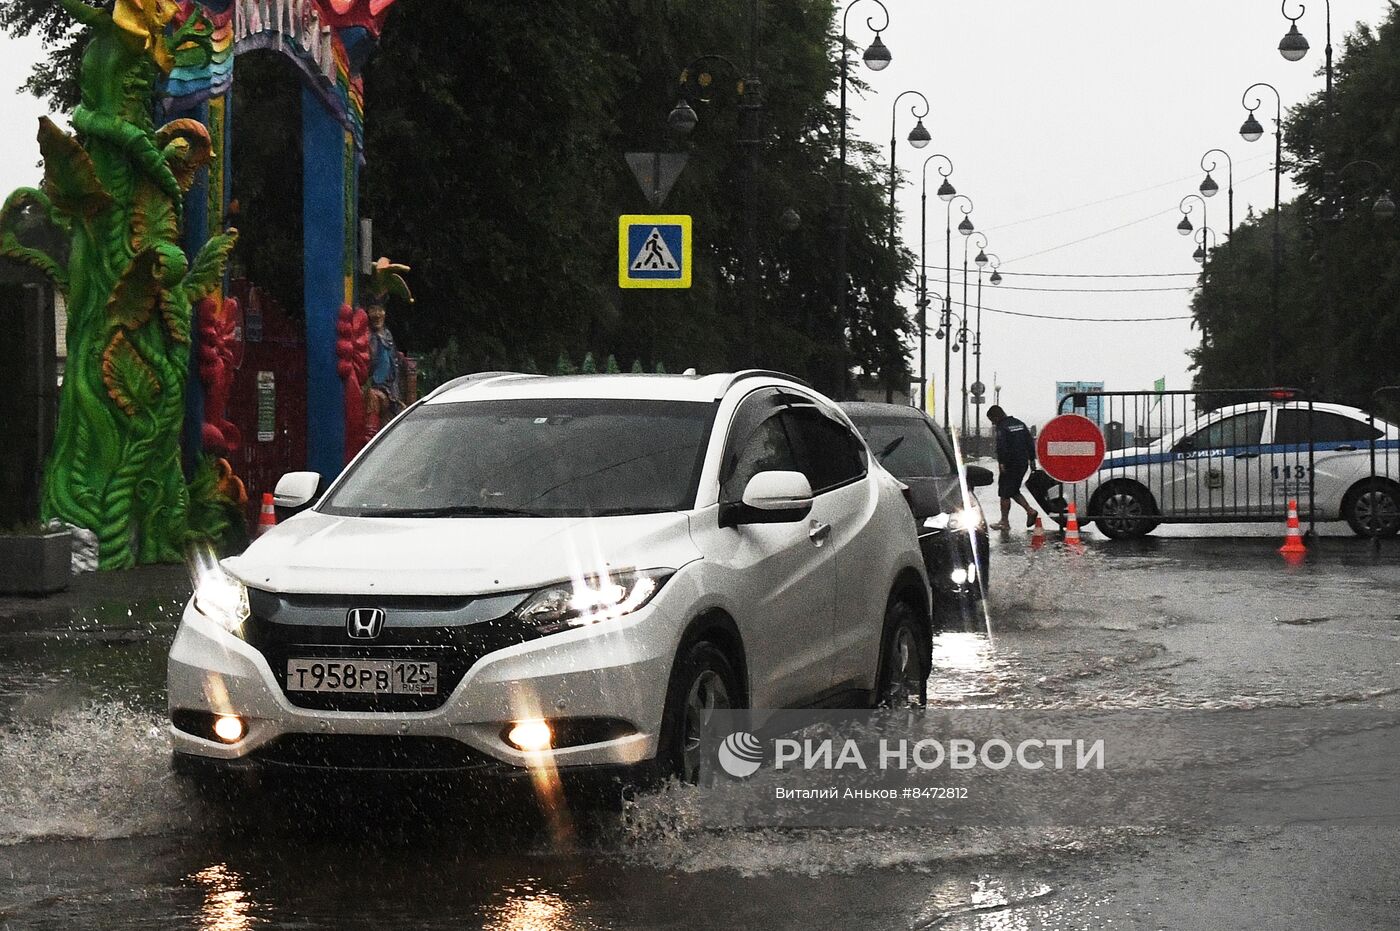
(364, 623)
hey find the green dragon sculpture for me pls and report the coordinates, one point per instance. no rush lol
(115, 191)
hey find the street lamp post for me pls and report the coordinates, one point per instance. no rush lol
(946, 192)
(1202, 252)
(683, 119)
(1252, 131)
(1383, 206)
(984, 258)
(1293, 46)
(919, 138)
(877, 57)
(956, 339)
(1185, 227)
(981, 261)
(1209, 186)
(965, 227)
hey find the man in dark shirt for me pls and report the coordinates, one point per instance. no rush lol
(1015, 455)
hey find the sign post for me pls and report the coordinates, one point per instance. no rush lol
(1070, 448)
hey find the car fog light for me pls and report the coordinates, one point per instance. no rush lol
(229, 728)
(959, 576)
(531, 736)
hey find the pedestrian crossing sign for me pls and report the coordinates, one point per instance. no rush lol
(653, 251)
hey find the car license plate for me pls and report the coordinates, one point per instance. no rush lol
(373, 676)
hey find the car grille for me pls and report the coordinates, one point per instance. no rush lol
(374, 753)
(446, 631)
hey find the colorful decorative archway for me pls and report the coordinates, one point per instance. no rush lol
(328, 41)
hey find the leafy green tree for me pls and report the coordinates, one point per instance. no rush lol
(1338, 325)
(495, 142)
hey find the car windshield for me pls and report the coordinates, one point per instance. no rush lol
(531, 458)
(905, 446)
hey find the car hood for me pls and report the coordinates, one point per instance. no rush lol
(322, 553)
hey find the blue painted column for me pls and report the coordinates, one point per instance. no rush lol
(196, 233)
(323, 219)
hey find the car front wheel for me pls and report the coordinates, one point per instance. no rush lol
(905, 658)
(704, 683)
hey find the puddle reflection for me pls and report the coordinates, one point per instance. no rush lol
(227, 906)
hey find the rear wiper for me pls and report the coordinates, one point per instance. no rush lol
(452, 510)
(893, 445)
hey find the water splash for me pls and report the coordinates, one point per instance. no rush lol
(100, 771)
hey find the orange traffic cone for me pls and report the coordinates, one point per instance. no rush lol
(1038, 534)
(1072, 528)
(267, 515)
(1293, 535)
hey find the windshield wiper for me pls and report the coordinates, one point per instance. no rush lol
(451, 510)
(893, 445)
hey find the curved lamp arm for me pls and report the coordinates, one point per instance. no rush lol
(944, 174)
(869, 21)
(1259, 101)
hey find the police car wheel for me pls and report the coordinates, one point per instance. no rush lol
(1372, 509)
(1123, 511)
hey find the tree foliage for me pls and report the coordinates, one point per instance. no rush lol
(1337, 332)
(495, 142)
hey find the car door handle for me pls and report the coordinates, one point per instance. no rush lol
(1346, 448)
(817, 532)
(1247, 456)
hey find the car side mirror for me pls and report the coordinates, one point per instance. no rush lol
(978, 476)
(776, 497)
(1185, 446)
(295, 492)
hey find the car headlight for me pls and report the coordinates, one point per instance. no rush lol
(969, 519)
(223, 599)
(580, 602)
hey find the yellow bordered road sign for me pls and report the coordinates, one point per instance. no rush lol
(653, 251)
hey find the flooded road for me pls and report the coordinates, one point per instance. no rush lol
(95, 832)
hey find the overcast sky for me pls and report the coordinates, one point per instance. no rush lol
(1064, 120)
(1048, 108)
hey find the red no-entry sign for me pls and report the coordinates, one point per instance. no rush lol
(1070, 448)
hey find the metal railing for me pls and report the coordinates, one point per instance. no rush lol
(1195, 468)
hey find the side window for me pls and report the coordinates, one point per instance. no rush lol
(1239, 430)
(1291, 428)
(827, 452)
(757, 443)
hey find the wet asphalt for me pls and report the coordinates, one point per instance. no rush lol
(95, 831)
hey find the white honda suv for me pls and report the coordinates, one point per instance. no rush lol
(571, 573)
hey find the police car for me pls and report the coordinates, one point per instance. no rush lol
(1245, 463)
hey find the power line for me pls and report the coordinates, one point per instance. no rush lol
(1012, 287)
(1113, 197)
(1115, 229)
(1016, 313)
(1021, 274)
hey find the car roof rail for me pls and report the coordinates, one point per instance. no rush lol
(764, 373)
(474, 378)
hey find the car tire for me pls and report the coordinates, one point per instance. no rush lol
(703, 681)
(1372, 508)
(1124, 511)
(906, 658)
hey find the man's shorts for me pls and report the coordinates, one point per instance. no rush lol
(1010, 478)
